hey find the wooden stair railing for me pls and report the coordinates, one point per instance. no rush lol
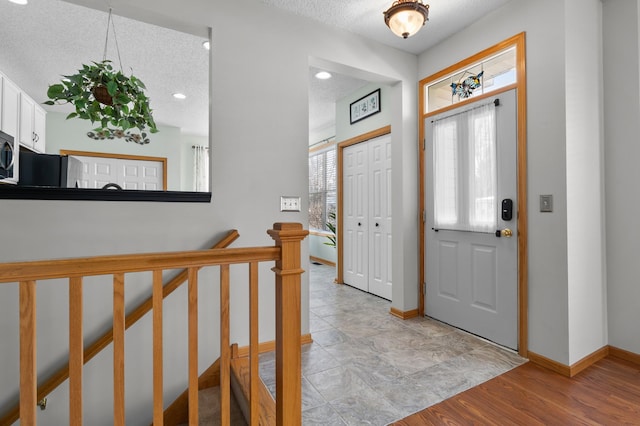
(57, 378)
(286, 254)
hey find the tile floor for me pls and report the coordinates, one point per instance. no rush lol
(367, 367)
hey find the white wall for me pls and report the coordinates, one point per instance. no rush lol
(319, 249)
(345, 130)
(397, 110)
(321, 134)
(259, 153)
(543, 22)
(622, 174)
(582, 133)
(585, 179)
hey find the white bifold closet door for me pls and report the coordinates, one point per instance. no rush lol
(367, 216)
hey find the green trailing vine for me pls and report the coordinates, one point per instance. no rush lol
(105, 96)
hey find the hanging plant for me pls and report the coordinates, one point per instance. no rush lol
(107, 97)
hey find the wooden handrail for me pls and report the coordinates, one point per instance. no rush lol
(109, 265)
(57, 378)
(287, 256)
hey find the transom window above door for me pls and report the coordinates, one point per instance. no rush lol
(485, 76)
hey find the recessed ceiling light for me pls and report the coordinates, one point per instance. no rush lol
(19, 1)
(323, 75)
(180, 96)
(206, 44)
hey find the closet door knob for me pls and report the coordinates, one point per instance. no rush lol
(359, 224)
(377, 224)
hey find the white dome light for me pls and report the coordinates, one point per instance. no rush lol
(323, 75)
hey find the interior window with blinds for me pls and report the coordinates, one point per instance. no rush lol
(465, 170)
(322, 188)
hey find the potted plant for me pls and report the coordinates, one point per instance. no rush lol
(331, 224)
(108, 97)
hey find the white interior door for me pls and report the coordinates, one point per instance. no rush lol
(380, 217)
(142, 175)
(97, 172)
(471, 273)
(367, 216)
(128, 173)
(354, 210)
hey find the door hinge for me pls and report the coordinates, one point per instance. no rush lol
(424, 216)
(424, 288)
(424, 144)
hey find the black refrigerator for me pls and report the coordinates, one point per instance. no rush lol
(42, 169)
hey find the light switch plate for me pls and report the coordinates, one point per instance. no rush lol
(546, 203)
(289, 203)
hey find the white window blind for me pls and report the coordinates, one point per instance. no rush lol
(322, 188)
(465, 171)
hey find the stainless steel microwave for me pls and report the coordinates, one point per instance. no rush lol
(8, 159)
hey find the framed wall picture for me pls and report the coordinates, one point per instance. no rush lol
(365, 106)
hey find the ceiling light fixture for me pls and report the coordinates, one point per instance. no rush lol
(406, 17)
(323, 75)
(206, 44)
(180, 96)
(21, 2)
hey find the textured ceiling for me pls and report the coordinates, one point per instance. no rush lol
(323, 95)
(364, 17)
(50, 38)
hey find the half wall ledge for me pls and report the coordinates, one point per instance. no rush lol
(12, 192)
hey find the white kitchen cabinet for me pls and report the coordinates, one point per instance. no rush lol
(22, 119)
(9, 103)
(9, 106)
(32, 124)
(366, 213)
(39, 128)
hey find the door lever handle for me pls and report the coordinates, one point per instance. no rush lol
(507, 233)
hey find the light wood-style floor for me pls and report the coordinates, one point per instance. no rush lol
(607, 393)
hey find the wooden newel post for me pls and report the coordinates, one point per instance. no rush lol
(288, 237)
